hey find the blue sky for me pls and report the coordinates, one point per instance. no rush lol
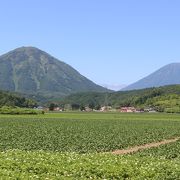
(108, 41)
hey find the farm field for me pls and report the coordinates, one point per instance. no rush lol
(79, 146)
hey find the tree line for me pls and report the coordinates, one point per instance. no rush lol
(162, 99)
(13, 100)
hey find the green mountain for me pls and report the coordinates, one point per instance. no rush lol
(167, 75)
(30, 70)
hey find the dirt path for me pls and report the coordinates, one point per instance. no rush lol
(145, 146)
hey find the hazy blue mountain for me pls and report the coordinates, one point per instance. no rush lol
(30, 70)
(167, 75)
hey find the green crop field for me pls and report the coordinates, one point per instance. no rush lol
(79, 146)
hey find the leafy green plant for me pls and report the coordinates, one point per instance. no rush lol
(72, 146)
(85, 132)
(17, 110)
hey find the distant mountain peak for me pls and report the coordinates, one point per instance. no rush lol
(29, 49)
(31, 70)
(173, 64)
(26, 48)
(167, 75)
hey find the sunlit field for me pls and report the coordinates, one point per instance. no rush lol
(80, 145)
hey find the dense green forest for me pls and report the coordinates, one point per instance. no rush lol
(13, 100)
(162, 99)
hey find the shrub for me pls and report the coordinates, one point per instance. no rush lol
(17, 110)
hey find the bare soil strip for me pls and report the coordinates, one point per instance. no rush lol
(145, 146)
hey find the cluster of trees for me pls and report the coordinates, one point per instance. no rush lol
(12, 99)
(75, 106)
(169, 103)
(17, 110)
(91, 105)
(12, 103)
(162, 99)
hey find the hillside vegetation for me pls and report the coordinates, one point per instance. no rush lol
(162, 99)
(12, 99)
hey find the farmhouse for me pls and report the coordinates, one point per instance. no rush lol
(150, 110)
(58, 109)
(87, 109)
(105, 108)
(128, 109)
